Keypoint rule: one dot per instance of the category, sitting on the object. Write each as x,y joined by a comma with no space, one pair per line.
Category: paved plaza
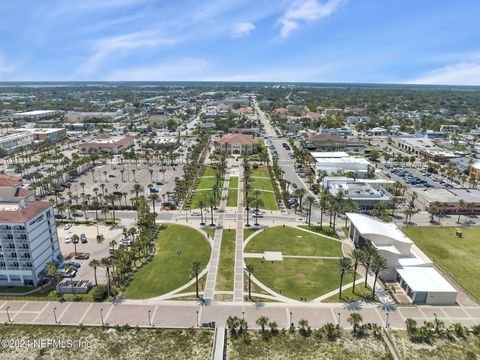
177,314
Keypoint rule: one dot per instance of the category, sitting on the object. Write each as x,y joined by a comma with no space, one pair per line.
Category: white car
67,239
195,213
67,226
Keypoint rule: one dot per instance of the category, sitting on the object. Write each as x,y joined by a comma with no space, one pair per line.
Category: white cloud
118,46
463,73
181,70
242,29
306,11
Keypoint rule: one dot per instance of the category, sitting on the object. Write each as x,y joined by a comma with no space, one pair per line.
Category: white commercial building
406,263
12,142
366,193
29,240
338,162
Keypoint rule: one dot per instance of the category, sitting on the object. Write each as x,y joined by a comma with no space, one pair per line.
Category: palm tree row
369,258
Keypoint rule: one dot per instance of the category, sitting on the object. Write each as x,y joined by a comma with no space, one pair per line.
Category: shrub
100,293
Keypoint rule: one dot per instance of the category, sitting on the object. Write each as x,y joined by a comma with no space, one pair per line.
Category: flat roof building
406,263
110,144
338,162
362,192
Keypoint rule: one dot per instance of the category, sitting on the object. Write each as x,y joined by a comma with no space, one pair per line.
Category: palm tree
154,198
262,321
94,263
232,324
366,259
311,201
344,267
107,263
250,270
355,319
257,203
379,264
299,193
75,239
356,256
461,206
196,266
201,205
408,214
248,202
211,202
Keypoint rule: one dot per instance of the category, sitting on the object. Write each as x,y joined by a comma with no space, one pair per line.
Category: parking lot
108,179
92,247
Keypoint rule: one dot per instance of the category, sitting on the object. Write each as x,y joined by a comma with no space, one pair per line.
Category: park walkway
217,244
238,271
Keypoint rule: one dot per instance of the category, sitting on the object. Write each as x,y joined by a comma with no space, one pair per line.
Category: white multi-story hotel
28,238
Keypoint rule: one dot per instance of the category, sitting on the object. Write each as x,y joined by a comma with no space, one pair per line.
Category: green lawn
459,257
261,172
291,241
269,202
325,230
202,195
170,270
295,278
247,232
232,191
262,184
361,293
207,183
233,183
227,261
208,172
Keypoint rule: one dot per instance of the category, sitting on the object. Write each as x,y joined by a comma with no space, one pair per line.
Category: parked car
67,226
117,193
77,214
66,273
73,263
294,185
195,213
60,216
67,239
128,241
83,238
82,256
154,190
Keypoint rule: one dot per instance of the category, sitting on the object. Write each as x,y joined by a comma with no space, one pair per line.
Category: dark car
83,239
82,256
294,185
117,193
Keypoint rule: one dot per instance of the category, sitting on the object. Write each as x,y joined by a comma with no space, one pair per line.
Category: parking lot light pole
291,319
198,324
387,324
8,315
338,318
55,315
149,318
101,315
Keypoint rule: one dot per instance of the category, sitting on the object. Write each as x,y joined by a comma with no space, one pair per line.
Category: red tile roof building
236,144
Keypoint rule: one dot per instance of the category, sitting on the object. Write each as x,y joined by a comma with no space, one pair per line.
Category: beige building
12,192
236,144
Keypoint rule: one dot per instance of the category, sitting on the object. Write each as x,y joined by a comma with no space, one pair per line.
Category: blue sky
387,41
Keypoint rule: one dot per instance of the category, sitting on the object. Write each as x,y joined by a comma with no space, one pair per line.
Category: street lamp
436,321
55,315
101,315
8,315
149,319
198,324
291,319
243,315
387,324
338,319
